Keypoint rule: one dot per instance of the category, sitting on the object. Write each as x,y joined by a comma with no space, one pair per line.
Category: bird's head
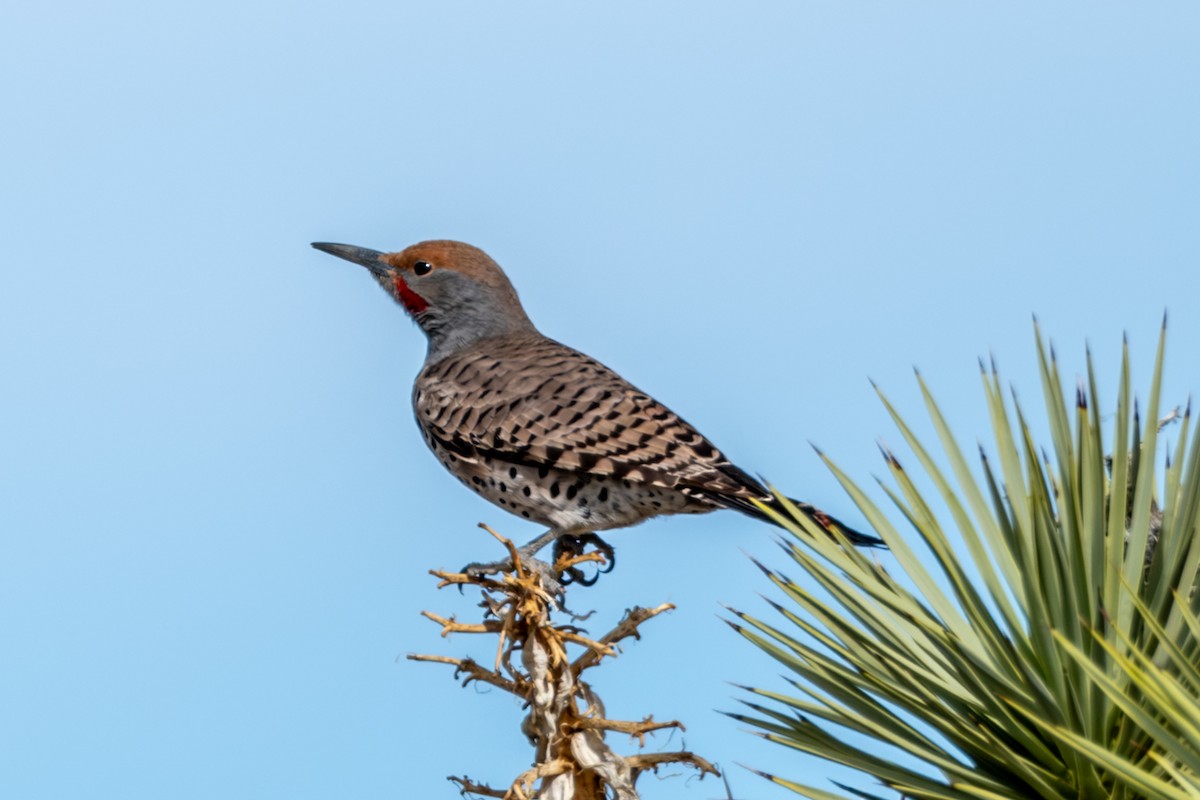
454,291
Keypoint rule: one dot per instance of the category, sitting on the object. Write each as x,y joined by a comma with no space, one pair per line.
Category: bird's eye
422,268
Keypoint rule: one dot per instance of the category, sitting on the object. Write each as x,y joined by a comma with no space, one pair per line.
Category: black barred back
549,416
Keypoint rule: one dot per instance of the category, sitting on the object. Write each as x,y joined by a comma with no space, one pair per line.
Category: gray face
458,310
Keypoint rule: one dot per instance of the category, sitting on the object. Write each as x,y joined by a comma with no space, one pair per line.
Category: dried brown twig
566,722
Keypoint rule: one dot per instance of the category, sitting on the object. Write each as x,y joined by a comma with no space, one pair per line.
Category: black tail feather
826,521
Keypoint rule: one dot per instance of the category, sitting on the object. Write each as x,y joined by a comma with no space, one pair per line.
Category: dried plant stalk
566,722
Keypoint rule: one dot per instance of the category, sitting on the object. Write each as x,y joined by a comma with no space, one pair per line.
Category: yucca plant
1048,648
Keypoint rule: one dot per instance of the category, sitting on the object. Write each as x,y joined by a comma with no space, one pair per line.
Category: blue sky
216,513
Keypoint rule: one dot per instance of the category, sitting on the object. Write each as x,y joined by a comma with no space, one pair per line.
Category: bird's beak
371,259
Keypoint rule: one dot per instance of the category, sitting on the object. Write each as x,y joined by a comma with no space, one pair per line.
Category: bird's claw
571,546
545,572
566,547
481,569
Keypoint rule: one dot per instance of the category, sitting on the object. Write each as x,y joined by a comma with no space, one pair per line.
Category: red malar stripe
412,301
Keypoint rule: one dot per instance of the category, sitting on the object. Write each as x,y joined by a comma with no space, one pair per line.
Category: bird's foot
570,550
481,569
524,555
569,547
548,579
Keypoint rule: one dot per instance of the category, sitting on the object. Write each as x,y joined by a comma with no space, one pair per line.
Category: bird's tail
826,521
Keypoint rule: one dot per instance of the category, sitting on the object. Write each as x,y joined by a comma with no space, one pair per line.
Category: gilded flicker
540,429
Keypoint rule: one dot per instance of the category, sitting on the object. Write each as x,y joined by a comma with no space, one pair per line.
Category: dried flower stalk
566,723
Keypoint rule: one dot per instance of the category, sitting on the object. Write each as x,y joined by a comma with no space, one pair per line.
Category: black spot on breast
502,487
527,491
572,490
603,496
554,489
543,471
512,472
525,514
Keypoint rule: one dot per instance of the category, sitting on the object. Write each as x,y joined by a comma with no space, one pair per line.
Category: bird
538,428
